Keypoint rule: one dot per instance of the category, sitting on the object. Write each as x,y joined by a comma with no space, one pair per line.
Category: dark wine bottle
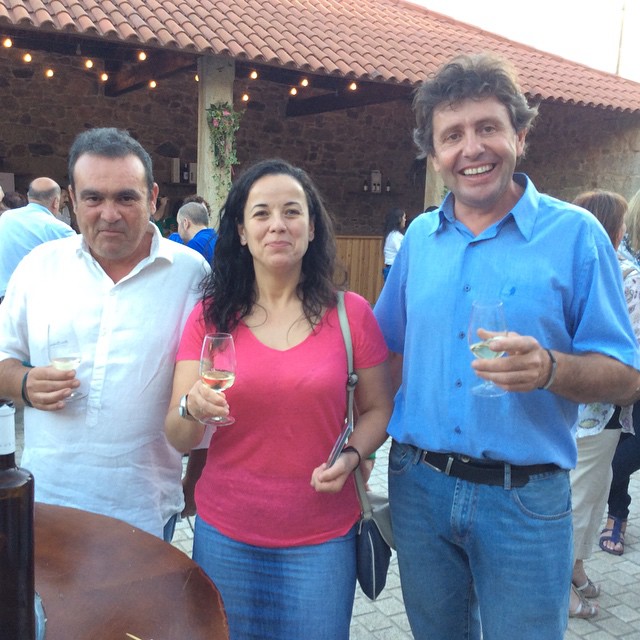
17,614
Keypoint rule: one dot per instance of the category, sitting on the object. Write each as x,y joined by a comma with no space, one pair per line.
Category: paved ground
385,619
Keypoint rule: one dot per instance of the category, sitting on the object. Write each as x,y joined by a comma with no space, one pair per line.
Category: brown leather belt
492,473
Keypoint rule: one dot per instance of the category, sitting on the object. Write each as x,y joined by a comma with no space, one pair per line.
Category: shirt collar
524,212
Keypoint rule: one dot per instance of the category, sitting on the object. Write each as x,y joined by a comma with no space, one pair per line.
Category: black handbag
374,537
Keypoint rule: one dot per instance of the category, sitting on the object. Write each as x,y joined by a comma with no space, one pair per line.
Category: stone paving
385,619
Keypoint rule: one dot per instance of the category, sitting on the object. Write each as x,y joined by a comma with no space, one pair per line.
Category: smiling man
125,293
479,486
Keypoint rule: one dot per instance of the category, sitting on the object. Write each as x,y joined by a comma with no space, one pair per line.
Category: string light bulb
152,84
88,63
245,97
304,82
27,57
142,56
254,75
104,76
293,91
7,43
353,86
197,78
49,73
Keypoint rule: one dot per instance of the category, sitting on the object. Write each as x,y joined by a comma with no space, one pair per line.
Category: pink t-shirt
289,408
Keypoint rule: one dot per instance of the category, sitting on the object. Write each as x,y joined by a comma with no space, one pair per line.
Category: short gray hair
194,211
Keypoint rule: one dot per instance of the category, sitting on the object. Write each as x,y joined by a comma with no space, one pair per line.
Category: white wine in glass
490,317
64,353
218,369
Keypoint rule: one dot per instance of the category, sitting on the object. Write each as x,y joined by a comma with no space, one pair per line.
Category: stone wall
571,148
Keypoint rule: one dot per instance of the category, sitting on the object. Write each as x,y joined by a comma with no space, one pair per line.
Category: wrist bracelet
353,450
23,391
554,369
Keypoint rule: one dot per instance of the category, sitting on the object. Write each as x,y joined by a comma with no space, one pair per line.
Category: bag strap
352,381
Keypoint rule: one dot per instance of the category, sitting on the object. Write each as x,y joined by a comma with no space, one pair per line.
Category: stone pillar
434,186
216,76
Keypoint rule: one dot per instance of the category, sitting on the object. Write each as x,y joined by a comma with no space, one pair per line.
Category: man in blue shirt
25,228
479,486
192,226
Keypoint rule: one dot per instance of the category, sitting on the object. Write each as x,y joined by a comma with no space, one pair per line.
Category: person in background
479,486
26,227
124,292
272,288
393,235
193,230
14,200
599,424
626,459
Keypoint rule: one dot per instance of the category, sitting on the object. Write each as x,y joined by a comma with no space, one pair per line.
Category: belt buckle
446,470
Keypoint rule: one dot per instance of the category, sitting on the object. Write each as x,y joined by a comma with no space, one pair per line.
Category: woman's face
276,225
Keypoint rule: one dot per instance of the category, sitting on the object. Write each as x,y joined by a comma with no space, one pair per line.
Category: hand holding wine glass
218,369
490,317
64,353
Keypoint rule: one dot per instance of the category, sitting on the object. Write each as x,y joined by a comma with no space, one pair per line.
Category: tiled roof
383,40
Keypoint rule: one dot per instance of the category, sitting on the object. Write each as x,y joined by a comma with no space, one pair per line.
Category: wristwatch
183,409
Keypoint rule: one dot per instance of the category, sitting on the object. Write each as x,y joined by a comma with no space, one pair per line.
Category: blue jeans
625,462
468,551
169,528
303,593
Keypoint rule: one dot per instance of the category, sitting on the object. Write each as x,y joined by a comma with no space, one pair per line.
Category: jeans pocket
401,457
545,497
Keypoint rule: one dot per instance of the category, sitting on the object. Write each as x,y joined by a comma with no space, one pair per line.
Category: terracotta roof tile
389,40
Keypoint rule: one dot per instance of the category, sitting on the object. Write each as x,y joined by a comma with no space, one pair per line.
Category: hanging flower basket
223,123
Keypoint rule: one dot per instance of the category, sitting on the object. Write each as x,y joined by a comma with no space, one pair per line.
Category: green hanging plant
223,123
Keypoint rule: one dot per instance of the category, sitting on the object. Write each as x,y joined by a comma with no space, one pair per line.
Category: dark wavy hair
229,292
478,76
393,221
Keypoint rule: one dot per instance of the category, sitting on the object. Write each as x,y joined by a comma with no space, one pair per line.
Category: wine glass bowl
64,353
488,316
218,369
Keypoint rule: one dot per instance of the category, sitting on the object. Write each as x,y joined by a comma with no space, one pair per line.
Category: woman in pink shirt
275,527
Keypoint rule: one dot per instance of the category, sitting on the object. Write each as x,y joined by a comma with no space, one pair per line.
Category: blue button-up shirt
555,270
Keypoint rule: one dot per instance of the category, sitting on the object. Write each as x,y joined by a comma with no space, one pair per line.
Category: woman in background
393,237
599,424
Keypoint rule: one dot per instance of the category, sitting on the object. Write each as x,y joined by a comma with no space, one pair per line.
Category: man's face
475,152
113,207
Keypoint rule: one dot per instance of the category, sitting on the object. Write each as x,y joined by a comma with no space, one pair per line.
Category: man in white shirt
24,228
125,292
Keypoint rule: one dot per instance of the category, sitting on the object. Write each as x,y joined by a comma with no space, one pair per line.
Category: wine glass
490,317
218,369
64,353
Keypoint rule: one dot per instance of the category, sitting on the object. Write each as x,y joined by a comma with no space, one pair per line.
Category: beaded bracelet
353,450
23,391
554,369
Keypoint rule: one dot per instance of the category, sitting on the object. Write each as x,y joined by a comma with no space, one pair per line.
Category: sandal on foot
613,535
585,610
588,589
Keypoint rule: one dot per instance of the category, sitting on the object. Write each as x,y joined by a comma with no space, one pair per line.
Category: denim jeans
302,593
468,551
169,528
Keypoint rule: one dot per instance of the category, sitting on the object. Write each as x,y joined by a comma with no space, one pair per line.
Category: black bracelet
353,450
25,397
552,375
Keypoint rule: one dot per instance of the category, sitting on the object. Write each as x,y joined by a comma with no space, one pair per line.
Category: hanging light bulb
88,64
152,84
293,91
353,86
197,78
304,82
254,75
27,57
245,97
49,73
142,56
104,76
7,43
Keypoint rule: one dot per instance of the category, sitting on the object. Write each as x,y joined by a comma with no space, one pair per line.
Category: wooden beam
161,64
371,93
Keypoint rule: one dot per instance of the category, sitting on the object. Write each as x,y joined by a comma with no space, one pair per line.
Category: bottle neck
7,461
7,432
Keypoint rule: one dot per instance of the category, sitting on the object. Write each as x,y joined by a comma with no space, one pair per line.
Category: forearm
370,432
595,377
12,372
183,433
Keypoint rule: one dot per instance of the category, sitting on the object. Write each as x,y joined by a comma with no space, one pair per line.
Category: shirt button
458,430
467,288
458,383
462,335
